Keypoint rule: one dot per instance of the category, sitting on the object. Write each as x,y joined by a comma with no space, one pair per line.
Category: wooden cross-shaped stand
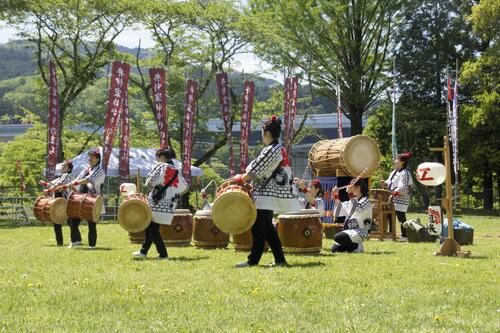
450,247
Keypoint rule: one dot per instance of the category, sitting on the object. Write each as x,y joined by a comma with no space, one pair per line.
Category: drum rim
244,197
63,218
120,213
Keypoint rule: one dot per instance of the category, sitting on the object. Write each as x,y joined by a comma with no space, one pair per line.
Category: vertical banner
187,140
454,128
125,142
287,109
22,184
117,89
394,146
223,90
158,87
339,113
246,122
53,133
293,111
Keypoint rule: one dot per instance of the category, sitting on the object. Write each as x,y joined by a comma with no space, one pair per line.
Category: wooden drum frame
205,232
300,232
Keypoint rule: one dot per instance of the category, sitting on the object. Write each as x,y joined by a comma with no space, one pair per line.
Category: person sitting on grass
313,193
358,213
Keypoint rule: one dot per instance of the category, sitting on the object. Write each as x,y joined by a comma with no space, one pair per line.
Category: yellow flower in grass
255,291
39,285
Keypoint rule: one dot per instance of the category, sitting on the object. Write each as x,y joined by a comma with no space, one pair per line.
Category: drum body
300,232
137,237
205,232
234,210
244,241
331,229
350,156
84,206
180,231
50,210
134,214
384,195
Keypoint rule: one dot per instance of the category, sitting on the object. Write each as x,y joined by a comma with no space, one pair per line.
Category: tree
481,115
329,39
77,35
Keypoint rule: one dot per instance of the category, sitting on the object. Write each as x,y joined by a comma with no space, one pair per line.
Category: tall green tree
345,39
481,115
77,35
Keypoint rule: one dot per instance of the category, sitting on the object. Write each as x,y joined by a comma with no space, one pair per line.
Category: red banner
223,90
189,113
53,133
246,122
125,142
293,110
158,87
117,90
287,109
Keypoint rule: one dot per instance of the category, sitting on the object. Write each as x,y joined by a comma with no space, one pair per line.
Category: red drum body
134,214
300,232
50,210
244,241
180,231
84,206
205,232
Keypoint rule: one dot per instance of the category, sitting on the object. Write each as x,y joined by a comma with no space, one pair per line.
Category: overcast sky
130,38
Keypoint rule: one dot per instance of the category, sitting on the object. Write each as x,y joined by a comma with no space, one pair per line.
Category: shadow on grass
298,265
182,258
378,253
473,257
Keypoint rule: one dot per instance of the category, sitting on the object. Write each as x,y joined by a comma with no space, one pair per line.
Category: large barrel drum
205,232
180,231
47,209
84,206
344,157
134,214
244,241
300,232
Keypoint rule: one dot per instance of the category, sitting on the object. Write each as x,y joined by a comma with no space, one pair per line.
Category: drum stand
450,247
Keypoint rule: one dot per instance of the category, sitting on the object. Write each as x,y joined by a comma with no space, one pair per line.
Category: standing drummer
274,191
88,181
167,185
58,190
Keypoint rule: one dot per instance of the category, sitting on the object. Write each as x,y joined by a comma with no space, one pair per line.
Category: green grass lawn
393,287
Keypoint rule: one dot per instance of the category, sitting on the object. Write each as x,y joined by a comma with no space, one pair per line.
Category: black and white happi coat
400,181
357,211
163,211
64,179
279,194
96,177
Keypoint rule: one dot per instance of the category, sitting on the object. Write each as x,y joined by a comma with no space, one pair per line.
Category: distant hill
17,67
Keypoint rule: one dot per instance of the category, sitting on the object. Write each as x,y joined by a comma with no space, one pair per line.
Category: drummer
313,195
58,191
358,213
167,184
272,180
399,183
89,181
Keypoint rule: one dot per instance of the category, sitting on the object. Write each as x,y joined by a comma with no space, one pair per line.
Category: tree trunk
488,188
498,187
356,117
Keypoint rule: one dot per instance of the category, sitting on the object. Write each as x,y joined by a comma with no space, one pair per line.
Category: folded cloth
457,225
413,224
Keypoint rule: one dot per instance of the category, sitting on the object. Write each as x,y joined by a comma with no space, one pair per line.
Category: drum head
360,152
234,212
96,211
203,214
58,213
134,215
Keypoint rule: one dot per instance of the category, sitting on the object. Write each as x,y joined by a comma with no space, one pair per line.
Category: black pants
153,235
74,225
344,243
59,234
263,230
401,219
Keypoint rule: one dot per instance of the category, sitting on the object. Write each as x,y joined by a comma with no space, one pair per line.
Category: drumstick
205,188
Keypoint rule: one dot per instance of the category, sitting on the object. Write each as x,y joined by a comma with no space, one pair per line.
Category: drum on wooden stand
134,214
137,237
380,194
50,210
300,232
205,232
234,210
344,157
180,231
84,206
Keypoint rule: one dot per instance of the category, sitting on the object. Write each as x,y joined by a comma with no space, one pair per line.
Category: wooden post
138,181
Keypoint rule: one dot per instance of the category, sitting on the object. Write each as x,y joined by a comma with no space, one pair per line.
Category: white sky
248,62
